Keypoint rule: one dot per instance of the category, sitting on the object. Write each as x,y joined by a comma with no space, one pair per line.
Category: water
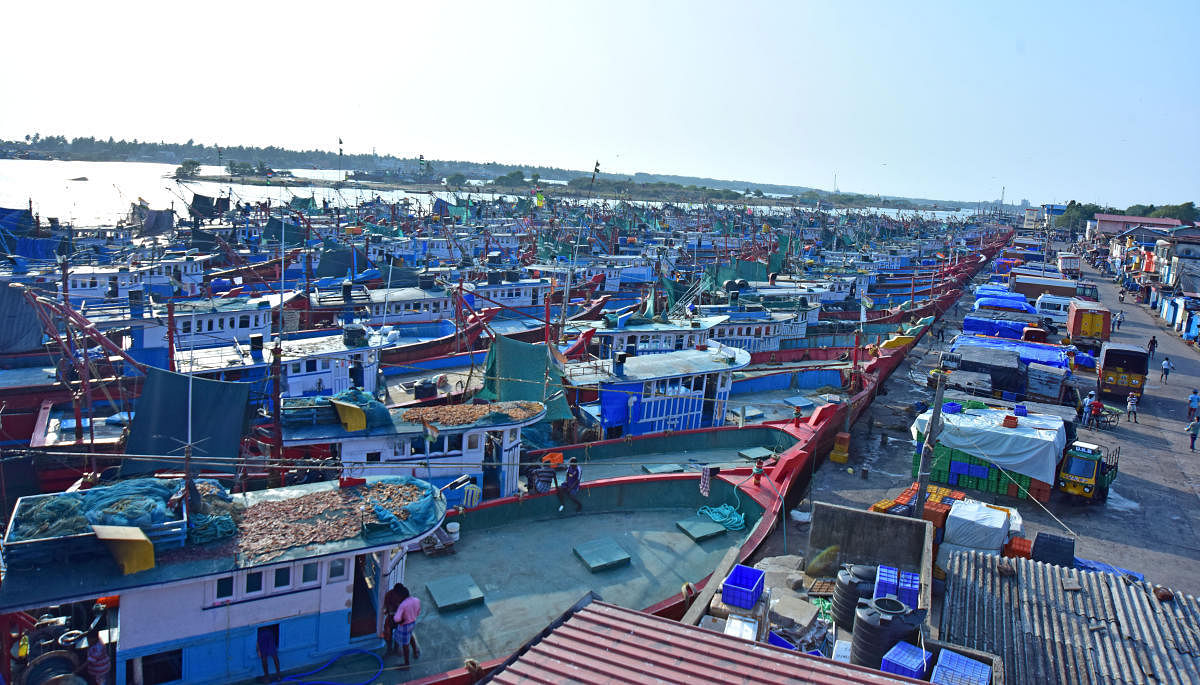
113,186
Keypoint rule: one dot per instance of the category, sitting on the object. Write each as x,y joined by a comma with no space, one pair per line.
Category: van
1053,307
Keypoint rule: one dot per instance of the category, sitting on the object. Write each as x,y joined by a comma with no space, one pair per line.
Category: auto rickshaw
1087,471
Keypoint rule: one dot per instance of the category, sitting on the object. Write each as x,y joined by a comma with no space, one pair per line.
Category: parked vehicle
1121,369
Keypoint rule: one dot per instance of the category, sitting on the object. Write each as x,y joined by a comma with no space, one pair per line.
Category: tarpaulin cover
37,248
16,220
1006,303
518,371
974,524
341,261
615,409
1032,449
293,235
218,413
204,241
1050,355
996,327
423,514
158,221
997,293
20,328
203,207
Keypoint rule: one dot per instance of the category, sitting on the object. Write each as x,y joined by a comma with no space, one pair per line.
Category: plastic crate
952,479
1020,410
908,660
774,638
951,407
959,468
887,581
910,589
944,676
977,471
743,586
974,672
1053,549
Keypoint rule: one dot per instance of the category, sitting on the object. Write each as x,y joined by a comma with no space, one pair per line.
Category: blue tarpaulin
1005,303
614,403
997,327
1050,355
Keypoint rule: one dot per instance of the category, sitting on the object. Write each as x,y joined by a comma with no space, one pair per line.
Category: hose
297,678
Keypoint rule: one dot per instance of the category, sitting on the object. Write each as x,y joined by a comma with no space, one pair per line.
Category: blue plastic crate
944,676
774,638
1008,396
974,672
906,659
977,471
952,480
887,581
1020,410
910,589
959,468
743,586
951,407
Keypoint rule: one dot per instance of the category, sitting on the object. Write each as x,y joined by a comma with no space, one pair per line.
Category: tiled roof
1155,221
605,645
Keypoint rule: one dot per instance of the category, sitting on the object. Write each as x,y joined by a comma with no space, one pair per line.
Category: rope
205,528
725,515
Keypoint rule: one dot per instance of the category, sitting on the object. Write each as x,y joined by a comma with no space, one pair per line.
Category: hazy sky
1055,100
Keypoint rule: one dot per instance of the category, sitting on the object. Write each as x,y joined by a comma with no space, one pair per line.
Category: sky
1051,102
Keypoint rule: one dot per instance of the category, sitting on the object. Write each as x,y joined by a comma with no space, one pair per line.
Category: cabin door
365,602
710,399
493,449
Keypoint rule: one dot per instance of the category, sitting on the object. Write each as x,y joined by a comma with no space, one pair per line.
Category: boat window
310,365
221,324
324,364
186,327
210,324
454,442
416,445
512,434
296,367
254,582
374,456
224,587
163,667
337,569
647,388
473,441
244,321
283,577
308,573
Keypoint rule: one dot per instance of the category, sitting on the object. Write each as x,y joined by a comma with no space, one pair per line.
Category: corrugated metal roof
1110,630
602,643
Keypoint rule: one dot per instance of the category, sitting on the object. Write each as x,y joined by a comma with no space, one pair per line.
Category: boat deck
529,575
399,386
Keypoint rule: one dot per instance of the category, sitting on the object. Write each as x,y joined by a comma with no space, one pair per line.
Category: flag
431,431
941,255
541,200
868,302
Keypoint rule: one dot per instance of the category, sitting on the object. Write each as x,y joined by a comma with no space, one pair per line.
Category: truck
1069,264
1033,286
1089,325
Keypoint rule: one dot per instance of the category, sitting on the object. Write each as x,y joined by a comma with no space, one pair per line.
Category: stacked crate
959,469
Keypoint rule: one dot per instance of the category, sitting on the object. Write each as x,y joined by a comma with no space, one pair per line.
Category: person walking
1167,367
1120,318
406,619
1152,345
1193,428
1193,404
1131,403
570,487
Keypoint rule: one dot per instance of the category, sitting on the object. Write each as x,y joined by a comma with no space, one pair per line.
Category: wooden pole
931,434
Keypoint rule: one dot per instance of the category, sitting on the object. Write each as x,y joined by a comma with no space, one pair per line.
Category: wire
299,677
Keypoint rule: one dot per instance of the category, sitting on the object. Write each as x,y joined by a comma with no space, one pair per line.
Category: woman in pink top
406,619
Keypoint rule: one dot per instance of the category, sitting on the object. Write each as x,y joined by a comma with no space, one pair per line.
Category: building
1112,224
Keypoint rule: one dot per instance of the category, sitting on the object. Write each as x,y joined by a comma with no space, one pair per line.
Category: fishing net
141,502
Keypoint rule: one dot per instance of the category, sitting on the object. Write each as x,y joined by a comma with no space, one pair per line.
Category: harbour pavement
1151,521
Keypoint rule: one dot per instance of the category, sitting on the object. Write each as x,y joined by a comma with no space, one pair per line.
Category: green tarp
519,371
160,424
